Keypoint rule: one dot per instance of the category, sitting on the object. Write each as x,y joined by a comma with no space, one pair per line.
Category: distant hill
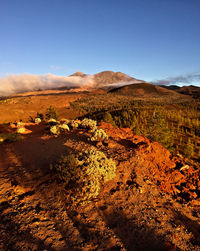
191,90
143,90
171,87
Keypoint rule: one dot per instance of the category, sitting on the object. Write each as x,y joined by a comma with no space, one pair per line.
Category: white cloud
29,82
186,79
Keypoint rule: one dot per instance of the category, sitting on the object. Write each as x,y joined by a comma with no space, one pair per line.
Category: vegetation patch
51,113
99,135
84,173
21,130
38,120
175,123
9,137
89,124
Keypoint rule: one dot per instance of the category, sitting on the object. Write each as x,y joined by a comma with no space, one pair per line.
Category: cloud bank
27,82
180,80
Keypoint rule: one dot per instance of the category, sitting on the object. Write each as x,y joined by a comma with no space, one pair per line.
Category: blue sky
147,39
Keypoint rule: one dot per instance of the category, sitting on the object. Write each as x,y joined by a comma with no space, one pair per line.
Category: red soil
151,204
168,172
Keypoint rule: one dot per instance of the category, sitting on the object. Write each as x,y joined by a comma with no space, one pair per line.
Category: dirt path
131,213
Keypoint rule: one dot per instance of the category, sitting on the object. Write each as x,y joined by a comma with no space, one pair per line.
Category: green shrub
21,130
89,124
74,123
99,135
64,127
109,119
40,115
83,174
51,113
53,122
9,137
38,120
58,128
20,123
65,121
55,130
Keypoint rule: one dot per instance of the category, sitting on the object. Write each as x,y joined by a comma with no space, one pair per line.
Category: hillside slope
144,90
151,204
191,90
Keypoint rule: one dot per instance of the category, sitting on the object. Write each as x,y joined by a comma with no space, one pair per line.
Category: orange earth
153,203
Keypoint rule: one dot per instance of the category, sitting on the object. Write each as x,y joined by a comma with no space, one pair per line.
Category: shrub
89,124
51,113
20,123
99,135
83,174
40,115
55,130
38,120
65,121
9,137
74,123
53,122
21,130
109,119
64,127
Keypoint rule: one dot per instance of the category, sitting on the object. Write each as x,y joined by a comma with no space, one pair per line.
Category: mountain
143,90
107,79
78,74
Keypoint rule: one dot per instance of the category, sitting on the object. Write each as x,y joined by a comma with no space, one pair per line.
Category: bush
40,115
20,123
83,173
21,130
99,135
9,137
51,113
64,127
109,119
53,122
55,130
65,121
38,120
74,123
89,124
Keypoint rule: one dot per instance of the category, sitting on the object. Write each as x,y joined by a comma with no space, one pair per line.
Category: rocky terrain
152,203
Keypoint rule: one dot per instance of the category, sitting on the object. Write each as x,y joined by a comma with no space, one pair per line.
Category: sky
147,39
